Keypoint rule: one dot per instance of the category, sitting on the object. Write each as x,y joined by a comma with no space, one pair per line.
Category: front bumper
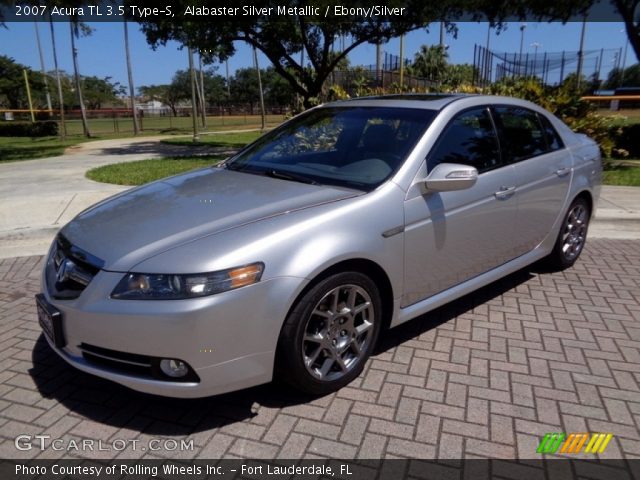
228,339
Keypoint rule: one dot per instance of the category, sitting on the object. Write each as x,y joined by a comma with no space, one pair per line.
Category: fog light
173,368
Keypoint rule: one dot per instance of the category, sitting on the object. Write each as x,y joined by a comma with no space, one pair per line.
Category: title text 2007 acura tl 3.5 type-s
292,257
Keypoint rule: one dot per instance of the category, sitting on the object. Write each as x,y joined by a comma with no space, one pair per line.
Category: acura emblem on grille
65,270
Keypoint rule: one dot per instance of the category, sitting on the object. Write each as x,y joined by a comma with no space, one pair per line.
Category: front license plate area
50,319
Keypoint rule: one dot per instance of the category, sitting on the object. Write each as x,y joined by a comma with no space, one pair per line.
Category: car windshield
353,147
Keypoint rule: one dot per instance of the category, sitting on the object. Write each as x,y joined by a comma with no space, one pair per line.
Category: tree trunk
132,96
203,102
76,75
627,11
63,126
262,113
194,112
44,71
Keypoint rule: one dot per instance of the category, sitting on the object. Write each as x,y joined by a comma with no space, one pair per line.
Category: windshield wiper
290,176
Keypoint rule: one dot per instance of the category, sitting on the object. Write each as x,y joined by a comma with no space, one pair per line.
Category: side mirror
447,177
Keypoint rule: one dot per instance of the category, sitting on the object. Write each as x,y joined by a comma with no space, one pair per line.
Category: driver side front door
453,236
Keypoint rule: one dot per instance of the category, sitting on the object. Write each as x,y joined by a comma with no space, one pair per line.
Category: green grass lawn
231,140
154,125
623,175
622,117
145,171
25,148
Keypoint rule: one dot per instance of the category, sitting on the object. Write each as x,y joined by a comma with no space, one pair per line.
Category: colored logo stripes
574,443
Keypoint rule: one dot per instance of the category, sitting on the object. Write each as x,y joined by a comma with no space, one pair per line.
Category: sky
101,53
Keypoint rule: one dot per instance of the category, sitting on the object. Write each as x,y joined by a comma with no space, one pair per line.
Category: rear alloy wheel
330,333
572,236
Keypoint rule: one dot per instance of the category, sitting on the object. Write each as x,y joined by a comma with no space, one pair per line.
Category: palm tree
431,62
262,113
63,127
203,102
44,71
130,75
75,32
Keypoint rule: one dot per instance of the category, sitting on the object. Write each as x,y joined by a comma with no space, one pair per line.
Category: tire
323,345
572,235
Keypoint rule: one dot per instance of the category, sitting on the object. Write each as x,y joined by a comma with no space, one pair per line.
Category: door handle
505,192
561,172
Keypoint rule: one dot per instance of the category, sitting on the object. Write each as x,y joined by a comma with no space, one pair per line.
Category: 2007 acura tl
293,256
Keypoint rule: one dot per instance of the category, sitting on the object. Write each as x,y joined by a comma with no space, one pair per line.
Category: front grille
70,269
142,366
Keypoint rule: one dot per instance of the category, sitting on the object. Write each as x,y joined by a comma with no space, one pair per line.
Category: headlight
142,286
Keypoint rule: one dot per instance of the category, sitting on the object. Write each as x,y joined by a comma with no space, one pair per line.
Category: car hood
129,228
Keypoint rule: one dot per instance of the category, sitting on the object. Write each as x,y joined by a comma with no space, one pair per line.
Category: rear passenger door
542,167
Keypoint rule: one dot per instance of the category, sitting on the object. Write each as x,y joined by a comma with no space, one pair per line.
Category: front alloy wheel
330,333
337,332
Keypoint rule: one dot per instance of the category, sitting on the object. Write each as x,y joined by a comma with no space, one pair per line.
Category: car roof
429,101
436,101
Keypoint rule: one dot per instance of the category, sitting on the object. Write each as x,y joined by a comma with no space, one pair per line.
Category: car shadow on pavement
109,403
422,324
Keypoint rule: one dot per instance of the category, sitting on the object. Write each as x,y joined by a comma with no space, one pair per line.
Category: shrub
27,129
626,140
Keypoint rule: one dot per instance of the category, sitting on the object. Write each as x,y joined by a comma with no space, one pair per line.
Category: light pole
522,27
488,61
535,46
581,52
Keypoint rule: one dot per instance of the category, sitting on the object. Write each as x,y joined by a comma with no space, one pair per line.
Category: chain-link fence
551,67
119,121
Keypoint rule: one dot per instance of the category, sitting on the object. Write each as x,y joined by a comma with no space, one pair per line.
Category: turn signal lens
243,276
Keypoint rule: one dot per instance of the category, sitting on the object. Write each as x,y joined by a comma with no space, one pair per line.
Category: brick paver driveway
486,376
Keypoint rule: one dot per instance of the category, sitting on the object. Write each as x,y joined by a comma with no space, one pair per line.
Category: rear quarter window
522,133
554,142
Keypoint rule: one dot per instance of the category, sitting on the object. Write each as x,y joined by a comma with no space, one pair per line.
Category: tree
281,38
628,10
583,87
179,90
13,93
430,62
215,88
244,87
277,91
631,77
165,94
77,29
458,75
301,32
98,91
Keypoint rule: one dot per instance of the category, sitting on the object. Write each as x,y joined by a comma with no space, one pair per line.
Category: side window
554,142
522,133
469,139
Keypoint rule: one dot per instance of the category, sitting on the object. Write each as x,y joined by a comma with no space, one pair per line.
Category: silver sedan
291,258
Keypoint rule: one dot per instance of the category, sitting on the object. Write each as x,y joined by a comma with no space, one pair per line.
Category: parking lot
486,376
